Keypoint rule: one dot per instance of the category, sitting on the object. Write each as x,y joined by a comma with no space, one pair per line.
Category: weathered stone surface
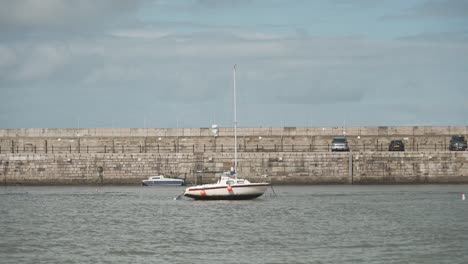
228,132
288,155
282,168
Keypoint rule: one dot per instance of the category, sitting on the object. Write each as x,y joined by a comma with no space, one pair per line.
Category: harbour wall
281,168
286,155
194,140
228,131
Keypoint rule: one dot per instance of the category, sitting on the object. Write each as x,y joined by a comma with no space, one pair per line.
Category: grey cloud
450,37
31,62
53,15
222,3
441,9
293,71
7,58
354,4
310,85
128,73
198,5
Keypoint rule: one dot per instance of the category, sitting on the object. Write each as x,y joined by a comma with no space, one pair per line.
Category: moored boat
161,180
229,187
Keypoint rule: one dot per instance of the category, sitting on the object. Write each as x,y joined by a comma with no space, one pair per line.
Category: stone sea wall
286,155
281,168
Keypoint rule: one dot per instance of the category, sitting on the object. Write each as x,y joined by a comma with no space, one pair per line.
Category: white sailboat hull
223,192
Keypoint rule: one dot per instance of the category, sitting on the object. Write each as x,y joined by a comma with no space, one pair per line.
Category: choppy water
304,224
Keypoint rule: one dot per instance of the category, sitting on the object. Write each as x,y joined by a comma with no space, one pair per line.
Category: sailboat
229,187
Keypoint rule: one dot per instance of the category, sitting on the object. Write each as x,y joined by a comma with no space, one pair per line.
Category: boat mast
235,121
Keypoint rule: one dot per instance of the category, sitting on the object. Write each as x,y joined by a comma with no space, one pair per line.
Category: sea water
302,224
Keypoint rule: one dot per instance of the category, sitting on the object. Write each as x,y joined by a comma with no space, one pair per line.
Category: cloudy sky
168,63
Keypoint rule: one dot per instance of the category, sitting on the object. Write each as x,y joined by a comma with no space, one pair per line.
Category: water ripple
314,224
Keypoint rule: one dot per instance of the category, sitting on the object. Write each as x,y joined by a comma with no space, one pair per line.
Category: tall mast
235,121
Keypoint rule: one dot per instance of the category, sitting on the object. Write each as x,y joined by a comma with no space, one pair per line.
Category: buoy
203,193
229,188
463,197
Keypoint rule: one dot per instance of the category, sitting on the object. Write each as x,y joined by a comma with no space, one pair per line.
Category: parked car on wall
396,145
457,143
339,144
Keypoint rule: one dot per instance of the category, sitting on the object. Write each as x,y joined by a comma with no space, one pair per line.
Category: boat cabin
232,181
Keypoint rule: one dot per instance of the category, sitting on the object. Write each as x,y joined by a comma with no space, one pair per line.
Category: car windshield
397,142
458,138
339,140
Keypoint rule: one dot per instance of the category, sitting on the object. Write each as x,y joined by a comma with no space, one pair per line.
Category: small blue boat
162,181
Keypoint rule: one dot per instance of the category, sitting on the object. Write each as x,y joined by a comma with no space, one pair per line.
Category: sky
169,63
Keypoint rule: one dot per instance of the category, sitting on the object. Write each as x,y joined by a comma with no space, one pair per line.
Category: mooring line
276,196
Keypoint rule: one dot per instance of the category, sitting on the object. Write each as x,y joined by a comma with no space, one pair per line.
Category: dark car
457,143
396,145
